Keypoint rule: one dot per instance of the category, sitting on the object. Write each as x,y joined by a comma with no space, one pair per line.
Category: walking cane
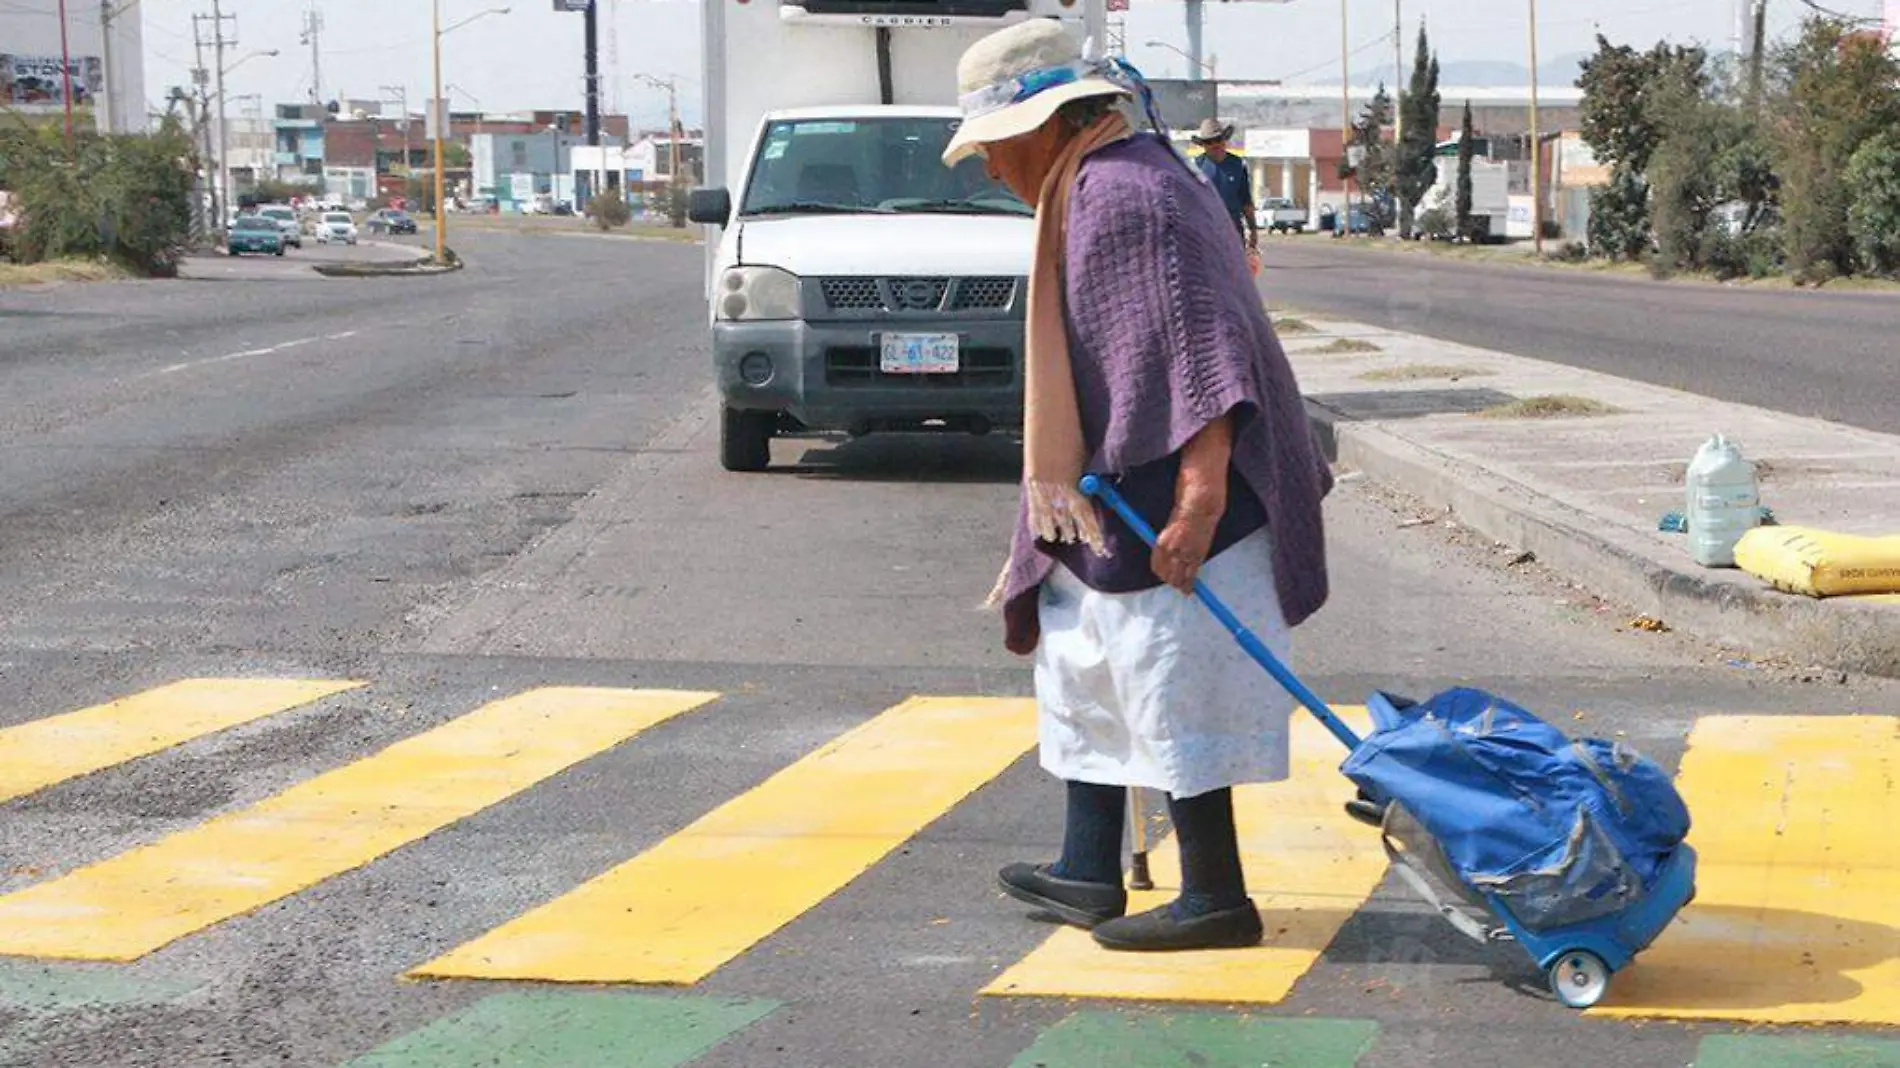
1138,875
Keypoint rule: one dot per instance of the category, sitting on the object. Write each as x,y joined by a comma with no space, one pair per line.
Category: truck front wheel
745,440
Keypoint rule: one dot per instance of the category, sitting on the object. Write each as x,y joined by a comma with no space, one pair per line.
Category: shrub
127,198
1437,224
609,210
1873,214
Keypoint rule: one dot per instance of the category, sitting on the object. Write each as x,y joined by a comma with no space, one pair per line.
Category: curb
383,270
1725,606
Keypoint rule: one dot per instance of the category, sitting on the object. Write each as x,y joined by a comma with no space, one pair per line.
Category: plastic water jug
1724,502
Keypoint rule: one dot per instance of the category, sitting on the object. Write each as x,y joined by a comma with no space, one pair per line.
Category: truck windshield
884,166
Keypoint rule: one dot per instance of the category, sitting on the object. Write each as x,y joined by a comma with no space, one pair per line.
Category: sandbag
1820,563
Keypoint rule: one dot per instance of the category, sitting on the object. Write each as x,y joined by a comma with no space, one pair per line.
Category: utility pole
201,80
591,47
440,119
1537,148
108,99
1345,114
219,44
313,36
1757,54
675,132
1398,106
66,72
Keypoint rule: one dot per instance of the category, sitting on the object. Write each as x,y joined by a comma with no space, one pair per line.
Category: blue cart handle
1099,488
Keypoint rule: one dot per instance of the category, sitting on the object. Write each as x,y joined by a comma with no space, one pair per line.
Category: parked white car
336,227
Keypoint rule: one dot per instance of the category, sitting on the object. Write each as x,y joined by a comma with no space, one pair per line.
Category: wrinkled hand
1183,547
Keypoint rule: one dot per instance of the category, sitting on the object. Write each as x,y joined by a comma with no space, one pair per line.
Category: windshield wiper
810,207
965,207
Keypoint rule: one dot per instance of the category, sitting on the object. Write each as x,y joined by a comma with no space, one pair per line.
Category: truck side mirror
709,206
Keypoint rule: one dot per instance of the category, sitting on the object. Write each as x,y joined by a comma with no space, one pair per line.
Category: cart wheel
1579,979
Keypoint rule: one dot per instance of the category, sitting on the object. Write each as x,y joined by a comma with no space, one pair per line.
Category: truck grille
917,295
848,366
982,294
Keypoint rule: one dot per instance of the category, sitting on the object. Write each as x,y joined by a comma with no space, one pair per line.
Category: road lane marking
1308,864
569,1028
268,350
1113,1040
126,907
1797,879
36,755
679,911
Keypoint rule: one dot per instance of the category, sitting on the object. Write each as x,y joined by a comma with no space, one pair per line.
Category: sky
531,58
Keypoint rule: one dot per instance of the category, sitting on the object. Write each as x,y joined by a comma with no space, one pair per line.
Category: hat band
1012,91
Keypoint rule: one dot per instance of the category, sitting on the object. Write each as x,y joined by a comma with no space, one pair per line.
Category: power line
1381,41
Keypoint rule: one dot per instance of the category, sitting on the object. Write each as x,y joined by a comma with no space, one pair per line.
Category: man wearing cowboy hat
1229,176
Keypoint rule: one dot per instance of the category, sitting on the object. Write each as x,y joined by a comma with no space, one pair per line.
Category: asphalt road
1830,355
461,488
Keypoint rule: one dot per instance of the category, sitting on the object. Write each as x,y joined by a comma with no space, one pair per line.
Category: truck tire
745,440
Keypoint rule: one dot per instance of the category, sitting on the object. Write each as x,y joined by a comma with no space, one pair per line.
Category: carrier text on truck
856,284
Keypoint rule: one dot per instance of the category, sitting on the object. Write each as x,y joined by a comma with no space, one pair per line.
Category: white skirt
1148,689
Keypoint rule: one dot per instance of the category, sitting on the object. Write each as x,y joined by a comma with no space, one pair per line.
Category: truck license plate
920,354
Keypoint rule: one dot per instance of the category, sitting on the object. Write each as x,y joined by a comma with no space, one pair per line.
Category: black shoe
1157,930
1082,904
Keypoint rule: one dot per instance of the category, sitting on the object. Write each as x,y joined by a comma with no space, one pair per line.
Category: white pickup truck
855,284
1280,214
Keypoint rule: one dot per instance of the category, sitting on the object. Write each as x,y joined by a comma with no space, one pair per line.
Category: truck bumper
827,378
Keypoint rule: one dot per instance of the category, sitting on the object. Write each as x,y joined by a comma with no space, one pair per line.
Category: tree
1873,217
1418,150
1834,91
1467,151
1630,98
1626,95
1375,169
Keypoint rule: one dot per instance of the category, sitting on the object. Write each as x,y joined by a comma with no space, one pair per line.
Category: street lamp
224,139
1208,66
435,113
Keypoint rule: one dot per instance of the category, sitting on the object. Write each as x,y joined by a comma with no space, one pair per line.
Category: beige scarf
1054,450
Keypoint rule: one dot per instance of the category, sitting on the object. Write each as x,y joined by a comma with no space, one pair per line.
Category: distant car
391,221
255,233
336,227
1278,214
286,219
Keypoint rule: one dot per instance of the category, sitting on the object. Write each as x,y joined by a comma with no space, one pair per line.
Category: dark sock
1092,834
1211,878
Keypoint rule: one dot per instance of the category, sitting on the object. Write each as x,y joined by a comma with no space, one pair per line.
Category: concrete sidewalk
1586,493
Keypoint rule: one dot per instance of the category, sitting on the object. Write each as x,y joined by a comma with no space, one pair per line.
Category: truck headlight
758,293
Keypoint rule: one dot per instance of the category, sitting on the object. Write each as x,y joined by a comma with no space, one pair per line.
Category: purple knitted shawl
1167,333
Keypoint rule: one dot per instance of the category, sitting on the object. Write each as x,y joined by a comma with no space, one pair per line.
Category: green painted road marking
1113,1040
44,988
563,1028
1798,1051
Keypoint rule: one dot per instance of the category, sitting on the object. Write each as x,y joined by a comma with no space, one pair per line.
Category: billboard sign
38,81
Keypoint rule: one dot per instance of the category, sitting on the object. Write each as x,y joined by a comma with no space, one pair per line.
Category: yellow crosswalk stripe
39,754
1797,883
708,893
1309,867
126,907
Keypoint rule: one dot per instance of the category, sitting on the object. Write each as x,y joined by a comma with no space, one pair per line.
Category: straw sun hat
1012,81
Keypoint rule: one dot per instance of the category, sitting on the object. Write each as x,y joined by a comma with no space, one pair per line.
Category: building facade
34,77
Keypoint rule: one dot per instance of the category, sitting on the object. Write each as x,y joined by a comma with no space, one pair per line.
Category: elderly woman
1150,360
